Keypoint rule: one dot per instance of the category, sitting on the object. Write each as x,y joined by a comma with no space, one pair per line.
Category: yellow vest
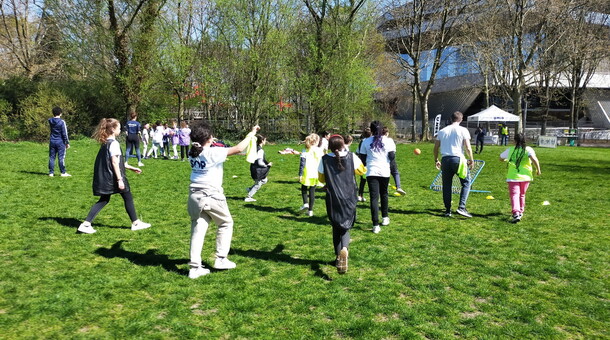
524,174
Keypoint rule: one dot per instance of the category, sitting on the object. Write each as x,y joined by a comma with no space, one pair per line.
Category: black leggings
340,239
184,150
305,190
378,188
104,199
361,187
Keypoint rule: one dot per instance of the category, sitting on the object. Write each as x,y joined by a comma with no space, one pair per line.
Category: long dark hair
517,155
377,132
336,144
200,134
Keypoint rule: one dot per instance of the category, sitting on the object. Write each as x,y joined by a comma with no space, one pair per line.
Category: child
184,139
259,169
337,170
166,141
145,138
324,141
520,159
308,171
58,143
133,138
207,201
394,168
173,132
109,176
361,153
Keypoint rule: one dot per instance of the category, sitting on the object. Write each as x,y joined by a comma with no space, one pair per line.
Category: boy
58,143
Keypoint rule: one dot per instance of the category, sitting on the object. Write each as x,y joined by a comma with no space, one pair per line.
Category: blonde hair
311,140
183,124
105,129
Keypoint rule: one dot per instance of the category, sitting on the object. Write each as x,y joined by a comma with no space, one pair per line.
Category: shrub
36,110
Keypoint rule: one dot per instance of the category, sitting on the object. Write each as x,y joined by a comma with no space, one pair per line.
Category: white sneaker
86,228
140,164
385,221
310,213
65,174
376,229
139,225
51,175
359,198
304,206
198,272
249,199
224,263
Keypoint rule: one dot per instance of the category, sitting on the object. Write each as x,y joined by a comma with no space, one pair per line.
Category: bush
5,110
36,110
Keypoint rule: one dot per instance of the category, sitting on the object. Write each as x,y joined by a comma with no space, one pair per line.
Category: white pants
205,206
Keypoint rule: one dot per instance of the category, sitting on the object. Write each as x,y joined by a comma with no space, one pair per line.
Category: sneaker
516,217
198,272
463,212
86,228
310,213
363,199
304,206
224,263
376,229
447,213
385,221
400,191
140,164
342,261
359,198
65,174
139,225
249,199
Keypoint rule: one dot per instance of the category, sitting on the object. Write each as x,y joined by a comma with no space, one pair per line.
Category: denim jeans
449,167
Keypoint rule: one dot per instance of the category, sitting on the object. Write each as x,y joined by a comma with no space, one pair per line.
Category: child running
259,169
207,201
109,176
520,173
308,171
337,170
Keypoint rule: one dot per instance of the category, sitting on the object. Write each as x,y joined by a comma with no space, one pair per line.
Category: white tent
493,114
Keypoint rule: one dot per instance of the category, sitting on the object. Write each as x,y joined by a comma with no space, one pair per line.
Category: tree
419,33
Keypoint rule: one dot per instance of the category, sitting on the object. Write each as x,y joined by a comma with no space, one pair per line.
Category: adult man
451,140
58,143
503,134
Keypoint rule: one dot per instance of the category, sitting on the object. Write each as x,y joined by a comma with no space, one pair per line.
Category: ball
417,151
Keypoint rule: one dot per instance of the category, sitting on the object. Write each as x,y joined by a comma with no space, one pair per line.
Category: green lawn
424,276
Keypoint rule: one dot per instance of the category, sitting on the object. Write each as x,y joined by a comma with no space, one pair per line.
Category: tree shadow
71,222
276,255
150,258
34,173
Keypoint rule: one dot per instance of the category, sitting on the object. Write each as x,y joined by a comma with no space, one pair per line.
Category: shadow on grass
276,255
302,217
71,222
150,258
271,209
34,173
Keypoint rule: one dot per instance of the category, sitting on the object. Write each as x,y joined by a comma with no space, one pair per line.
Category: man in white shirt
451,141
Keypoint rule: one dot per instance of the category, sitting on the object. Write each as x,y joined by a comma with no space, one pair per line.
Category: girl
166,141
184,139
324,141
109,176
259,169
173,132
157,140
145,138
361,153
520,159
380,151
337,170
308,171
207,201
133,138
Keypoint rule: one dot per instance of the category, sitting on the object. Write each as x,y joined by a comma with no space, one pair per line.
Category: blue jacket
59,131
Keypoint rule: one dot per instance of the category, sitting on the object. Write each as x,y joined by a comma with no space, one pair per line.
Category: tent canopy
493,114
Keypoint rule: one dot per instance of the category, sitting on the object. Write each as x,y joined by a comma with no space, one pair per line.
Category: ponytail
519,151
200,135
336,144
377,132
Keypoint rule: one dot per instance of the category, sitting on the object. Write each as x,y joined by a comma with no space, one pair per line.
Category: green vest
524,174
504,130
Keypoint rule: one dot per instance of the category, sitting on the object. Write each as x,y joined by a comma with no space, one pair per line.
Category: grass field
424,276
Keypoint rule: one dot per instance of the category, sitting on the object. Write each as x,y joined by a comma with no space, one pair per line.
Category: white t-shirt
207,168
357,162
158,134
452,140
377,162
324,145
114,148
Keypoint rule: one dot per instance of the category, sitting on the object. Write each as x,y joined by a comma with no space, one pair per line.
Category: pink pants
516,192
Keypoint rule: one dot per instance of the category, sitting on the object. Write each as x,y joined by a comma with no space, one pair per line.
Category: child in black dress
259,169
109,176
337,170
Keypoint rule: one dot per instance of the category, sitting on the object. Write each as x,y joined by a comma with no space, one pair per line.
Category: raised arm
244,143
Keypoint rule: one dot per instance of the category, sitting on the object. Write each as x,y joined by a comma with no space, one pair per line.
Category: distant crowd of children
326,163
